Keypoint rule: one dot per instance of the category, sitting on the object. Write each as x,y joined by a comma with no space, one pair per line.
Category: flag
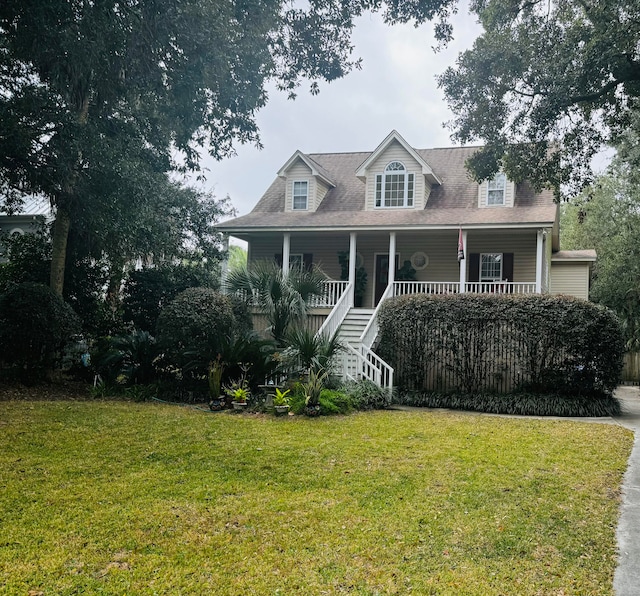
460,246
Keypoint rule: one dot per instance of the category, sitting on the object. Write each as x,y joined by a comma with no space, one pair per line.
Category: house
34,212
421,207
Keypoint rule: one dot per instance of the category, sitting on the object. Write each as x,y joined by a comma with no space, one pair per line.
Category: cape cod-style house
355,213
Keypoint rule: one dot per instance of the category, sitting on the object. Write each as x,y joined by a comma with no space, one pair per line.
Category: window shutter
474,267
307,259
507,266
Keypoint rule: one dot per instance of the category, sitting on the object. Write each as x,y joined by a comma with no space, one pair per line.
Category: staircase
353,326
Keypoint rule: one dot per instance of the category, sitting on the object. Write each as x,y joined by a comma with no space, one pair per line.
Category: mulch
59,389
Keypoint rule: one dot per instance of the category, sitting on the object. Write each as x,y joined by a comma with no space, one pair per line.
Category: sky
395,89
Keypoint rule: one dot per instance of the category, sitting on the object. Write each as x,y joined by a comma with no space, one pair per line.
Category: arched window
394,188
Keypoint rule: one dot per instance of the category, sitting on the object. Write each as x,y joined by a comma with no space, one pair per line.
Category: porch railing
501,287
333,290
401,288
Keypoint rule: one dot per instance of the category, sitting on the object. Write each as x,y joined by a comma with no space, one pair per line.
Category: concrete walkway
626,581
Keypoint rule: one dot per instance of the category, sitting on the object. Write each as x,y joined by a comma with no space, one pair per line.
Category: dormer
306,183
396,176
499,192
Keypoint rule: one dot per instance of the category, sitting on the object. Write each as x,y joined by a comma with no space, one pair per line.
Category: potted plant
239,393
406,272
312,390
281,401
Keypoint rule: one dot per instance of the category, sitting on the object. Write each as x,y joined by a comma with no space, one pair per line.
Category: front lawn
122,498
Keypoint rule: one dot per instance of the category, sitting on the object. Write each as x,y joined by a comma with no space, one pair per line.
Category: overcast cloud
396,89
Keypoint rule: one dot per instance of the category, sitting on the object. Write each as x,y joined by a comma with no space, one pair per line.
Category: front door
382,275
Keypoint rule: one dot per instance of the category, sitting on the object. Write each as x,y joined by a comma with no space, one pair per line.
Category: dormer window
300,195
395,187
497,190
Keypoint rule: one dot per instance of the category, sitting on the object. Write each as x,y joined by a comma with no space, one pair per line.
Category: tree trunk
59,250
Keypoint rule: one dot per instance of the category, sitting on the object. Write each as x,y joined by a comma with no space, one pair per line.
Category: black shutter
474,267
507,266
307,259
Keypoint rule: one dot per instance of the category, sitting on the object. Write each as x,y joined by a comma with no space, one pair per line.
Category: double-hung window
496,190
490,267
300,195
394,188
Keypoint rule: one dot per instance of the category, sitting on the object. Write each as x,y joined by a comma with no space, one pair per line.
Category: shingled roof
452,203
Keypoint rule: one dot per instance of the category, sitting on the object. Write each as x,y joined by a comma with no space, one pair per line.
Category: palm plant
283,298
316,352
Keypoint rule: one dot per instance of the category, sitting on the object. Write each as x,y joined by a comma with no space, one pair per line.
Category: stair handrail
371,330
384,372
338,313
368,365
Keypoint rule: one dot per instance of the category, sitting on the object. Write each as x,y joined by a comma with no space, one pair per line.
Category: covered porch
498,261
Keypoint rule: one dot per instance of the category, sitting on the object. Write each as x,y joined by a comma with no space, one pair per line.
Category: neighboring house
34,212
419,205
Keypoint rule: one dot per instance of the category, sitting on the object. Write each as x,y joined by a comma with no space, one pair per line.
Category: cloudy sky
396,89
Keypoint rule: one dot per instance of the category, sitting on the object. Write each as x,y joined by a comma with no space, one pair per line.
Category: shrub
147,291
192,330
35,324
366,395
480,344
128,356
520,404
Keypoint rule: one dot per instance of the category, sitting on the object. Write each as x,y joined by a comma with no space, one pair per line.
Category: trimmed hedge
479,344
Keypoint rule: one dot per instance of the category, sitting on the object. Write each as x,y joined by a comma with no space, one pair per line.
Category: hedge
479,344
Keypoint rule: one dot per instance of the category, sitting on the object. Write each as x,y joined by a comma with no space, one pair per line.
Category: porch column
286,250
224,266
463,264
352,263
539,253
392,258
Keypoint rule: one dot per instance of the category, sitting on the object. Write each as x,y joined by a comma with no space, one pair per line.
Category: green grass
122,498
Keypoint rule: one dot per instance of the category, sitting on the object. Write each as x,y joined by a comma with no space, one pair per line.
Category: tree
607,217
545,86
99,95
283,298
237,257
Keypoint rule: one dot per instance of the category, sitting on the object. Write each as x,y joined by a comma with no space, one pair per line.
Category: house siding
440,247
571,279
395,152
522,245
483,192
299,172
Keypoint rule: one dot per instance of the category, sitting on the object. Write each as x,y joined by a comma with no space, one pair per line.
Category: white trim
407,177
463,264
394,135
286,252
491,279
16,231
539,253
282,172
352,263
293,195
